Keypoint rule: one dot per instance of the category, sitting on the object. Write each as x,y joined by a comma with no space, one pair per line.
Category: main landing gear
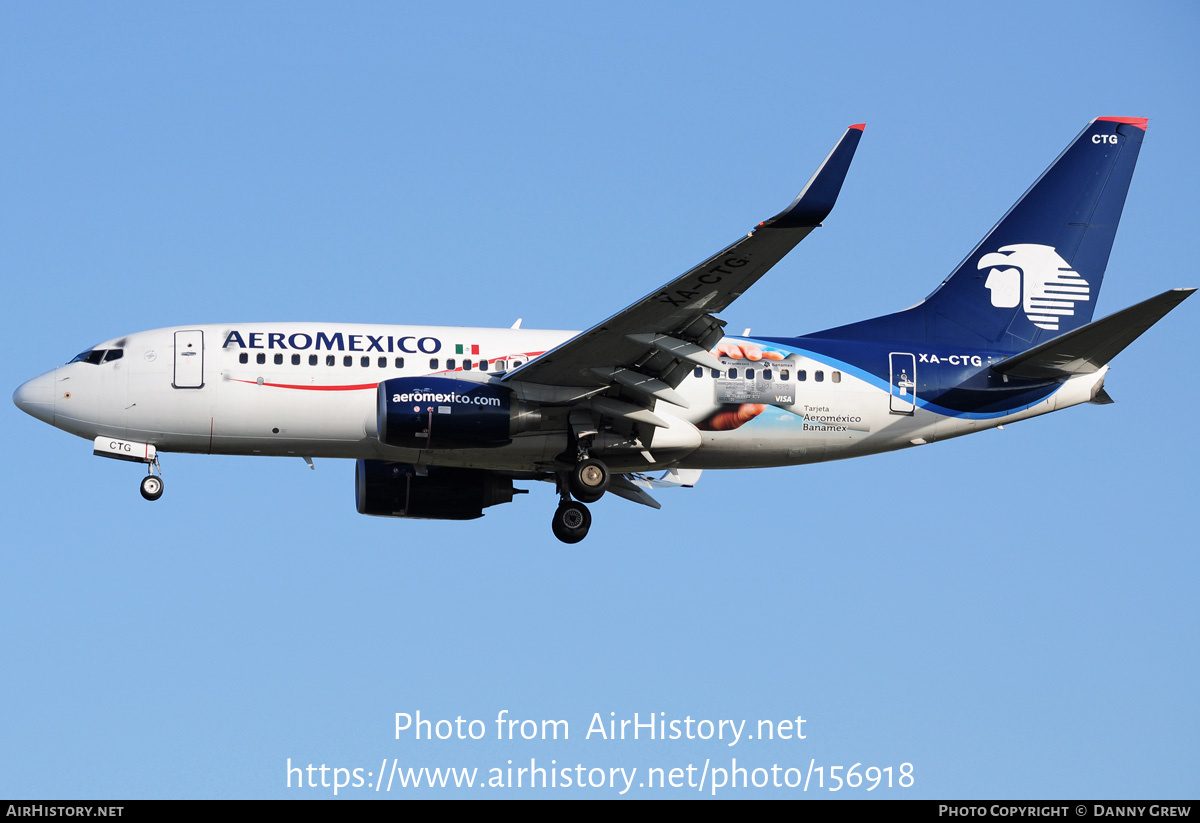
571,521
587,482
152,484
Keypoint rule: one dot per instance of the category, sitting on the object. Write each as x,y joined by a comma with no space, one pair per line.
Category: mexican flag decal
459,348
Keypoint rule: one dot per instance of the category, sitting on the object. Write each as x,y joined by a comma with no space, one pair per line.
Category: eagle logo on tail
1036,278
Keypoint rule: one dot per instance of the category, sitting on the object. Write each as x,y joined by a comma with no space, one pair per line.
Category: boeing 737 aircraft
443,421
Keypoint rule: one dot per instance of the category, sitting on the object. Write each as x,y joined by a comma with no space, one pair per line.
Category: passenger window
699,372
766,374
501,366
801,375
364,361
312,360
733,373
383,362
784,374
482,365
516,363
749,374
278,359
243,358
450,363
466,365
716,373
399,362
330,360
820,376
433,362
260,359
837,377
295,360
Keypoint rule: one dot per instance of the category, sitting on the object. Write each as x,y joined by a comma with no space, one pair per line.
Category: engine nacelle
396,490
445,413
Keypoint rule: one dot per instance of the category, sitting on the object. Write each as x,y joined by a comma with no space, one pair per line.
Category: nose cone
36,397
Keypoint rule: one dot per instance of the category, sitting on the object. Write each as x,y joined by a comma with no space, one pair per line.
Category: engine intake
396,490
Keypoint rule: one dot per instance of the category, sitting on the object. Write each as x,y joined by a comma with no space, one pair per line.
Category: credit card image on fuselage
770,382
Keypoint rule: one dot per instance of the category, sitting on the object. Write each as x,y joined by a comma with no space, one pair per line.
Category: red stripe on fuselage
358,387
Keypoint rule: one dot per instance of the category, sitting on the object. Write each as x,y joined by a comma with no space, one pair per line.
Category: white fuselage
309,390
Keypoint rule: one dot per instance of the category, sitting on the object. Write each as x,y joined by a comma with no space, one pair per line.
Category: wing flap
678,349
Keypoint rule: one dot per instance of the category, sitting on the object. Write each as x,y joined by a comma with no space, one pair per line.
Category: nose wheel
152,487
152,484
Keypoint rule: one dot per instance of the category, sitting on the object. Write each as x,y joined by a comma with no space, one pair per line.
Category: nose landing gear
152,484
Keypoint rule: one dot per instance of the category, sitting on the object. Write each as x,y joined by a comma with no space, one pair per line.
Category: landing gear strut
586,482
152,484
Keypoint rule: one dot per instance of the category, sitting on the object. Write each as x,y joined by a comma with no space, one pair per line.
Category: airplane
443,421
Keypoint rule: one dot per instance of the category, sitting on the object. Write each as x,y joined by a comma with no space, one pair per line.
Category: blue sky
1013,613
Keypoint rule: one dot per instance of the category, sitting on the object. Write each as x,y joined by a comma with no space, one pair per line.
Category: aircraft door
189,360
904,382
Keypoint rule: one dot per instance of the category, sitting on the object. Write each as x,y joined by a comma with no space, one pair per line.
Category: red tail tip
1140,122
859,126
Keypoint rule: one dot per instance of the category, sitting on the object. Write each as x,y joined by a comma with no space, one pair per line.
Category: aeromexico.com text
338,341
444,397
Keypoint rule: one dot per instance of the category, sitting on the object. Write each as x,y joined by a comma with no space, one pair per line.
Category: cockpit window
93,356
97,356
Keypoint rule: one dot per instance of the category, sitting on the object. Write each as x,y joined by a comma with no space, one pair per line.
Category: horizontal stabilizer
1089,348
677,477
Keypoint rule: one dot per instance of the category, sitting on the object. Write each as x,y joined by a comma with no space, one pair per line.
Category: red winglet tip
859,126
1140,122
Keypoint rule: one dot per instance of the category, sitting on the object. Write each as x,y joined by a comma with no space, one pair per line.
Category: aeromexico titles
444,422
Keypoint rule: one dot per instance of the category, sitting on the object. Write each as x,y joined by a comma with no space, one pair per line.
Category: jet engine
396,490
446,413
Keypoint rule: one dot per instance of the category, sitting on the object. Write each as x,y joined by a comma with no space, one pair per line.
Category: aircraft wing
645,350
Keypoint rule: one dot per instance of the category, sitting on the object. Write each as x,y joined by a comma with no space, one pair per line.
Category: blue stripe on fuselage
950,383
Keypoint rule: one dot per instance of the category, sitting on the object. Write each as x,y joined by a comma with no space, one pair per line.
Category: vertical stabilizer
1038,272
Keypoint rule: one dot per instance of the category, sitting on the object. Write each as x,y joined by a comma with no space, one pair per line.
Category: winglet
816,199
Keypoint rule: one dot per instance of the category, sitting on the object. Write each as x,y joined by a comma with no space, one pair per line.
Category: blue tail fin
1037,273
